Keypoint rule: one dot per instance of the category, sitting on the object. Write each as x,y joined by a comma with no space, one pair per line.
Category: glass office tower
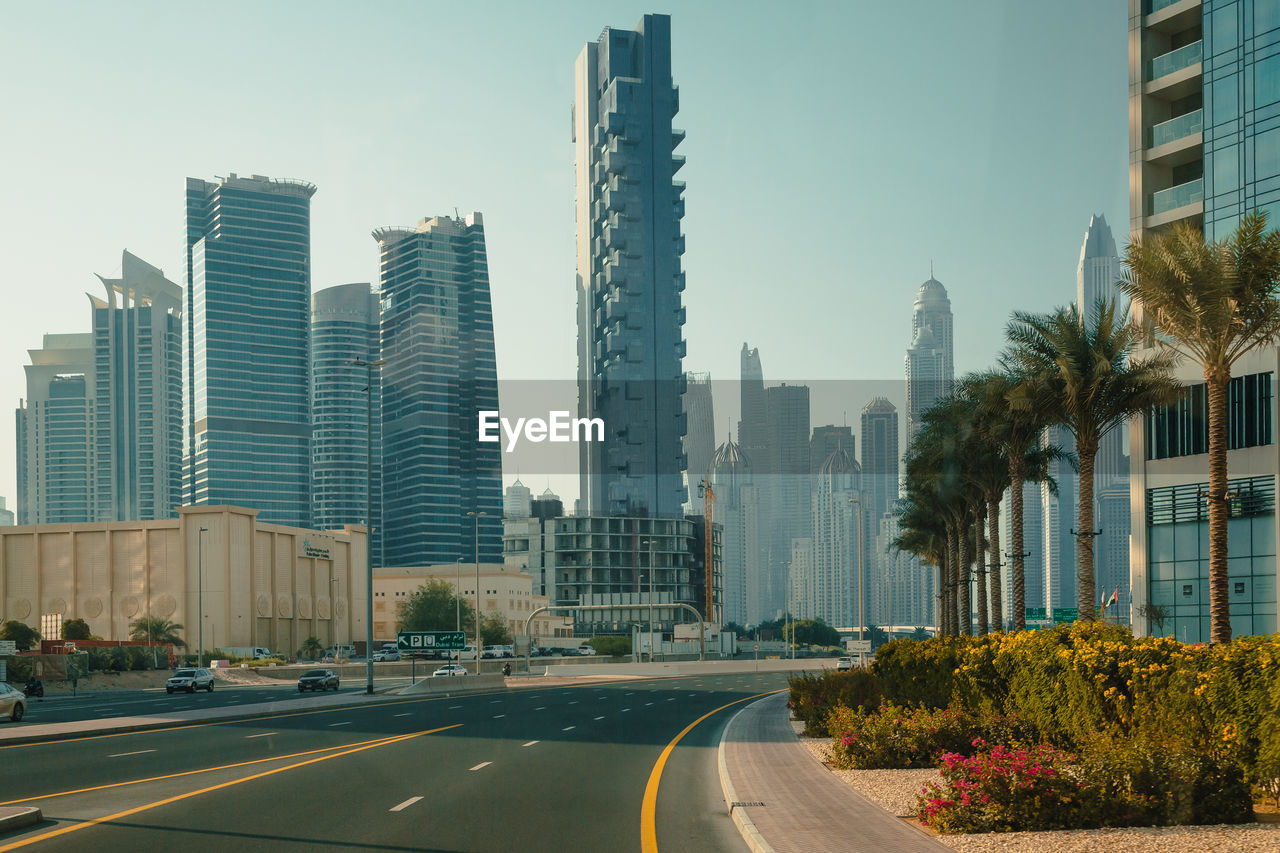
248,433
440,372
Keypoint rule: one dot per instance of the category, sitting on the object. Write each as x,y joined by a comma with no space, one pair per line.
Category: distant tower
56,450
753,425
700,439
517,502
738,509
785,481
833,562
879,457
629,277
827,440
930,365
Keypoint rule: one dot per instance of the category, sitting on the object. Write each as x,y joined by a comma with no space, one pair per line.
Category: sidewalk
783,800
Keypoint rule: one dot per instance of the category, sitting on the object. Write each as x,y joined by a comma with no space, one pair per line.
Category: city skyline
730,298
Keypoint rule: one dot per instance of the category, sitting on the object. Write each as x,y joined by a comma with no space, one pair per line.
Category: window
1266,81
1182,428
1266,154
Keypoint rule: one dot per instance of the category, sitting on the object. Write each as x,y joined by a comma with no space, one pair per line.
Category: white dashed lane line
264,734
138,752
599,718
402,715
568,728
405,804
456,707
482,764
647,704
346,723
498,716
530,743
541,708
624,710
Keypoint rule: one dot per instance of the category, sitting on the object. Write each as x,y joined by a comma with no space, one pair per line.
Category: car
12,702
386,654
491,652
586,650
190,680
844,665
449,669
317,679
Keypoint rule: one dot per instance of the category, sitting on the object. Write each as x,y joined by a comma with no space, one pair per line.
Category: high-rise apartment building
137,391
248,364
1204,97
56,450
832,586
440,373
700,437
517,500
346,419
753,425
784,478
930,357
738,508
629,278
879,456
827,440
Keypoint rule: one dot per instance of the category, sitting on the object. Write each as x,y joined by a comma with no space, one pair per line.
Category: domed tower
929,363
933,309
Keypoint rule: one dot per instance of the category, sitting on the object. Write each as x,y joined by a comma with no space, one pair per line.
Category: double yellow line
75,827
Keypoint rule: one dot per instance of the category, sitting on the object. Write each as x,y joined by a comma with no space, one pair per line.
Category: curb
19,817
746,828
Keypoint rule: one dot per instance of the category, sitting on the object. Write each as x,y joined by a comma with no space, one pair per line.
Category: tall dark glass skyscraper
440,372
344,327
629,278
248,363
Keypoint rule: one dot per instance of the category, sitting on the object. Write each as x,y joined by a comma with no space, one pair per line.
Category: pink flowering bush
1003,789
893,737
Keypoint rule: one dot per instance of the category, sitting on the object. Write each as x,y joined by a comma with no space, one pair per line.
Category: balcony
1177,128
1176,60
1179,196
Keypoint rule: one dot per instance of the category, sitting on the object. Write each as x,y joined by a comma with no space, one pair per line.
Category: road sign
858,646
1035,614
422,641
8,647
1065,615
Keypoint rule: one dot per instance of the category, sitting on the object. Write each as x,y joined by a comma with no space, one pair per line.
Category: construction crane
708,496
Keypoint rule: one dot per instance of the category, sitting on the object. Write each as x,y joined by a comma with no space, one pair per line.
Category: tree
311,649
607,644
814,632
153,629
494,630
1156,614
76,629
877,635
919,634
1213,302
434,607
735,628
1081,374
22,634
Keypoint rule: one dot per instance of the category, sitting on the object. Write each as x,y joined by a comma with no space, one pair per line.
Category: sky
835,151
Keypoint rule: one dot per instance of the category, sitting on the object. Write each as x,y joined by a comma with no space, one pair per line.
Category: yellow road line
193,772
649,806
55,833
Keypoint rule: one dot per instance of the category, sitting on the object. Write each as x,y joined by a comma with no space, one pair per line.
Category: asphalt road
544,769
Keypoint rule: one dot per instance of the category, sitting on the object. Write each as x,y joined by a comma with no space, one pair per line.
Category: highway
540,769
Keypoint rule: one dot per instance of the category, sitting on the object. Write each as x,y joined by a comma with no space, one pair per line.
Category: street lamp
476,516
861,620
200,596
368,536
457,596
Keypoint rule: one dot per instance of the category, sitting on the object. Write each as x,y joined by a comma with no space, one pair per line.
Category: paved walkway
784,801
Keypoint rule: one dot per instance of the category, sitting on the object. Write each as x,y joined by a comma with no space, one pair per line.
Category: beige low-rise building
503,589
260,584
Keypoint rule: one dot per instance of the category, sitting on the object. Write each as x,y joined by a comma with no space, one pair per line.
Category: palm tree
312,648
1081,374
154,629
1213,302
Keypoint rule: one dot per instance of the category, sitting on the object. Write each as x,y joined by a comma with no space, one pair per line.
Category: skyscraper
248,370
629,279
929,362
827,440
344,328
832,564
738,509
700,439
784,479
137,391
1059,512
1204,93
440,372
879,456
753,425
56,451
517,501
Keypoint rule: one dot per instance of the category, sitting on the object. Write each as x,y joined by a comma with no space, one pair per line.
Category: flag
1115,596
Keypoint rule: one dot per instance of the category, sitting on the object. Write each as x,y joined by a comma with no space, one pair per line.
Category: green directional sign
1035,614
1065,615
424,641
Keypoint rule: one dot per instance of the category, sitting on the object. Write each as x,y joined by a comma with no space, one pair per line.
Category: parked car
844,665
586,650
491,652
12,702
386,654
190,680
449,669
317,679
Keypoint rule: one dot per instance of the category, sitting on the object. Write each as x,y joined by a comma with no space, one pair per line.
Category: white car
386,654
844,665
448,670
190,680
12,702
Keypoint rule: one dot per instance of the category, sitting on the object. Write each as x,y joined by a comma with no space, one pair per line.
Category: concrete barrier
454,684
694,667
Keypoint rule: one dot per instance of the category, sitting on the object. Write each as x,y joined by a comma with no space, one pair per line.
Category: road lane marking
402,715
541,708
530,743
264,734
649,806
624,710
494,701
344,723
55,833
672,699
647,704
482,764
405,804
498,716
599,718
574,702
568,728
135,752
454,707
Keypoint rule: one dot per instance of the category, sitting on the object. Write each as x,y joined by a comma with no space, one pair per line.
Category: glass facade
1178,558
247,352
344,328
1182,428
436,337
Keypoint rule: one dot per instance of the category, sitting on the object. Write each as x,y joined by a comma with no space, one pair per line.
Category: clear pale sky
834,150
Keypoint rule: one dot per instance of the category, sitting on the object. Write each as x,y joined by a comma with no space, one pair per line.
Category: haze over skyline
833,151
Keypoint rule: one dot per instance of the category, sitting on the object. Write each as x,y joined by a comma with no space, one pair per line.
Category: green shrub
893,737
815,695
610,645
917,673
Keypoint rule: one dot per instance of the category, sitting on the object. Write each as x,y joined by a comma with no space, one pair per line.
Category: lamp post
791,647
476,516
200,595
368,535
861,620
457,596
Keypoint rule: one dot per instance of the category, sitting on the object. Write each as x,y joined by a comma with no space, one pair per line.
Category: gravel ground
895,790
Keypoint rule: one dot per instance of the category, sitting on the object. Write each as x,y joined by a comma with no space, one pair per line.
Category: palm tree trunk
997,596
979,517
1219,610
1017,576
949,586
964,611
1086,600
